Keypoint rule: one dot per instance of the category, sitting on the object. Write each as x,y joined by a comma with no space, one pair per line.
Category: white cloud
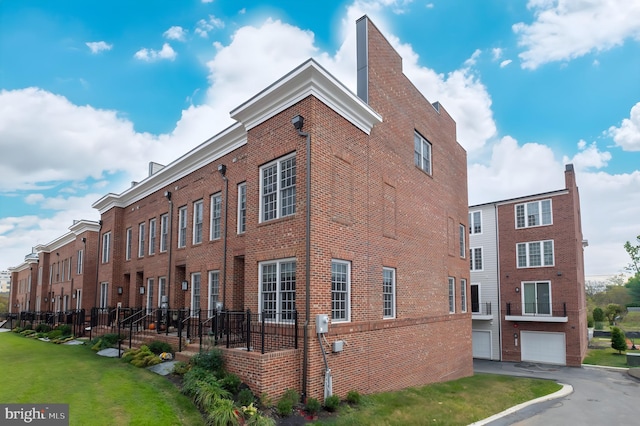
207,1
589,157
505,63
496,52
204,26
175,33
98,46
627,136
150,55
566,29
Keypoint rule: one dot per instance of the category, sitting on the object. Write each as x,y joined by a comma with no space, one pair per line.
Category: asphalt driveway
600,395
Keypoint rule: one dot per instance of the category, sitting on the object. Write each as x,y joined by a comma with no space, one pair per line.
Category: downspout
170,248
223,170
495,208
98,263
298,122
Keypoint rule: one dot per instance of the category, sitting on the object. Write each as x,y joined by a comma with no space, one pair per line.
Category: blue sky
91,92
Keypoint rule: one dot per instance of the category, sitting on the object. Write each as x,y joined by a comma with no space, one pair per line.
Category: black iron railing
481,308
537,309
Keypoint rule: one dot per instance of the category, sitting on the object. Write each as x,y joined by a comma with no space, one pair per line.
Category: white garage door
538,346
481,344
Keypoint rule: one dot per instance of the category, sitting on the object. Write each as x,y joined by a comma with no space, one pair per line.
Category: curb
566,390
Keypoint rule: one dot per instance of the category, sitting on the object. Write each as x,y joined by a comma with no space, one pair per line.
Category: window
422,152
216,214
242,208
104,295
475,298
463,295
214,291
452,295
536,213
278,289
197,222
164,232
340,291
475,222
388,293
106,247
141,238
152,236
149,295
535,254
182,227
536,298
69,262
79,262
162,290
195,294
278,188
475,259
78,299
463,235
127,250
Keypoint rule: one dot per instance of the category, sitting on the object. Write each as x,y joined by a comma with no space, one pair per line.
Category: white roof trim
84,226
59,242
309,79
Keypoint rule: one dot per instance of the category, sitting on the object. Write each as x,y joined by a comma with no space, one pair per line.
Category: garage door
481,343
543,347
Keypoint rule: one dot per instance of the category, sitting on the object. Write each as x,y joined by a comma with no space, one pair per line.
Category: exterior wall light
185,285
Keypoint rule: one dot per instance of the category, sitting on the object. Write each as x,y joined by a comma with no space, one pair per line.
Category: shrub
265,400
245,397
223,413
312,406
142,357
65,329
192,377
158,347
353,397
598,315
43,328
54,334
332,403
259,420
211,360
618,341
284,407
590,321
231,382
208,392
292,395
181,368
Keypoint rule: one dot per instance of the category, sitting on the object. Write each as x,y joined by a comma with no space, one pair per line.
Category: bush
618,340
291,395
589,321
211,360
284,407
265,400
54,334
332,403
223,413
208,392
353,397
158,347
245,397
231,382
181,368
142,357
43,328
192,377
312,406
65,329
598,315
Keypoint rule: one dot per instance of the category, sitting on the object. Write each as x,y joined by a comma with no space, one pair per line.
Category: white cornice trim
84,226
223,143
309,79
59,242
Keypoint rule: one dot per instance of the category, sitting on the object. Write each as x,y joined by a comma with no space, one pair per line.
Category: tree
618,341
598,315
634,254
633,287
612,312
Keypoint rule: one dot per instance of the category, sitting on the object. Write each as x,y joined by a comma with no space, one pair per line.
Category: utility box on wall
322,323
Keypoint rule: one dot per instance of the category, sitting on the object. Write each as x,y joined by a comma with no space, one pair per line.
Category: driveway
600,395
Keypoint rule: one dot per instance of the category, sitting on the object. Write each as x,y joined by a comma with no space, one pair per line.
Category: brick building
318,201
527,278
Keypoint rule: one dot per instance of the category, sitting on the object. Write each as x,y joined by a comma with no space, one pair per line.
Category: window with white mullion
535,213
475,222
278,289
278,188
242,208
197,221
164,232
141,239
149,295
182,226
452,295
195,294
463,235
388,293
535,254
422,152
152,236
216,217
214,291
162,290
463,295
475,259
340,291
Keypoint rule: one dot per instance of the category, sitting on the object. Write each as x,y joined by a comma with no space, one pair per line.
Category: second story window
79,262
197,222
152,236
278,188
536,213
475,259
475,223
422,152
127,250
216,215
164,232
535,254
463,235
141,239
242,208
106,247
182,227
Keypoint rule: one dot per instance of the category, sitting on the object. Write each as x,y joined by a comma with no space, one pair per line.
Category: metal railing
481,308
537,309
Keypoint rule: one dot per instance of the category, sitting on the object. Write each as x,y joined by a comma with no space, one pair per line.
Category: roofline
523,198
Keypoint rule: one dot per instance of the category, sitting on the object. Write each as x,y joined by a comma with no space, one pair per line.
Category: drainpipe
98,263
223,172
167,194
298,122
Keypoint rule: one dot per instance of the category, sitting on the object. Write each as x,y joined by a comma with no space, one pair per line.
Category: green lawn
99,390
459,402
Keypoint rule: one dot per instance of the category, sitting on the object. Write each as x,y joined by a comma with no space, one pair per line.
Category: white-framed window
535,213
150,285
216,216
452,295
195,294
278,289
475,259
69,263
214,291
164,232
182,226
536,298
388,293
162,290
475,298
152,236
141,239
463,246
421,152
475,222
198,207
78,298
278,188
340,291
242,208
104,294
62,269
127,250
79,261
463,295
535,254
106,247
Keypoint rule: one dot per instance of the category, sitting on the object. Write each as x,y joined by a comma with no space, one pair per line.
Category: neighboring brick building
535,274
23,279
370,229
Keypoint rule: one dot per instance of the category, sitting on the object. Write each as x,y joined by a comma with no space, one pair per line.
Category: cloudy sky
91,92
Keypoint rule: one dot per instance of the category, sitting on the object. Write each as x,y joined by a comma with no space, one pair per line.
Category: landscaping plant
618,340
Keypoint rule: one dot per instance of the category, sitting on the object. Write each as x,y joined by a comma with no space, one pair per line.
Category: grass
99,390
605,356
459,402
631,321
